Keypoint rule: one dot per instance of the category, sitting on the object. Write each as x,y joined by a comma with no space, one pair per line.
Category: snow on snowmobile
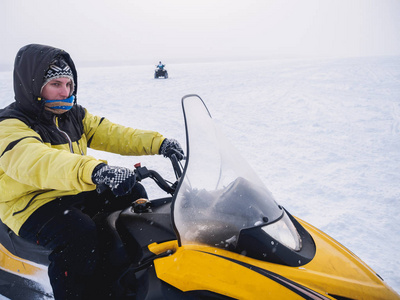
219,235
160,72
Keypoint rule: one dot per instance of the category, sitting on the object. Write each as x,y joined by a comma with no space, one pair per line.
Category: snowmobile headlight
284,232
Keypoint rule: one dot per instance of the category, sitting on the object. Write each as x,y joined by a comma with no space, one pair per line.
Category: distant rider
160,65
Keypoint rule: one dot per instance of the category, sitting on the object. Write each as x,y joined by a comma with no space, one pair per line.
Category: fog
132,32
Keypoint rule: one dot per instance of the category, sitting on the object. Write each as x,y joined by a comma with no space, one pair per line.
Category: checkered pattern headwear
58,69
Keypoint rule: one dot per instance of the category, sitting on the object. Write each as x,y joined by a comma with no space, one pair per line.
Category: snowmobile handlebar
143,172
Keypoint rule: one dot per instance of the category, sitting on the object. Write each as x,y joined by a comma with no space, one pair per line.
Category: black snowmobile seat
22,248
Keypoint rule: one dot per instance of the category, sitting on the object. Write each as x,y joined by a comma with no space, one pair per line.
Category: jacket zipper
64,133
80,148
27,205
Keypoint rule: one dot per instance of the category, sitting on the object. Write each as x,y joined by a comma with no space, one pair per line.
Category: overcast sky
191,30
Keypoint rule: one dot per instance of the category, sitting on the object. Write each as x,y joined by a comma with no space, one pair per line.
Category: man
160,65
48,183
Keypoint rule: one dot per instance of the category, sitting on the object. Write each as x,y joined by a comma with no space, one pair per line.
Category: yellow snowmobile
220,235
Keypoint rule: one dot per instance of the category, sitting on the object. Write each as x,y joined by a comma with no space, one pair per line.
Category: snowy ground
324,135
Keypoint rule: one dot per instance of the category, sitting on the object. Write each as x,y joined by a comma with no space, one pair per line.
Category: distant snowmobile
220,235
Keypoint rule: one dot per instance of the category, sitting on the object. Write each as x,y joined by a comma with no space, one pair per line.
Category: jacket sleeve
26,159
107,136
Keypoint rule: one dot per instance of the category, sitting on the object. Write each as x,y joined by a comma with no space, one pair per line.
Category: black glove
172,146
120,180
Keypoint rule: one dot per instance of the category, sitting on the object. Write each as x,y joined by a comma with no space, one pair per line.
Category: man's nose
65,91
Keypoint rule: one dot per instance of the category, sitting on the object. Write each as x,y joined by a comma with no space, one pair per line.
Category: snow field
323,135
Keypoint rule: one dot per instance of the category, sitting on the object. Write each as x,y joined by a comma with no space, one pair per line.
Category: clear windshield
219,194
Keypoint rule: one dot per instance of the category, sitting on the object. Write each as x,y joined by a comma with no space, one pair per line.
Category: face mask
59,106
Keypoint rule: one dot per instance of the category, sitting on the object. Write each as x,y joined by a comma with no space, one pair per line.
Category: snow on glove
171,146
120,180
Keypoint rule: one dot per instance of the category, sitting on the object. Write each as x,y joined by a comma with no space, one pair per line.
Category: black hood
31,64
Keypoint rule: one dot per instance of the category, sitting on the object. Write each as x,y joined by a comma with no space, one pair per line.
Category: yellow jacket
43,156
33,172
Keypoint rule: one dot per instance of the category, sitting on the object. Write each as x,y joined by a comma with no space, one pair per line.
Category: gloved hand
172,146
120,180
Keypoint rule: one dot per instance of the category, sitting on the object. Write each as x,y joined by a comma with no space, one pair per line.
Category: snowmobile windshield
219,194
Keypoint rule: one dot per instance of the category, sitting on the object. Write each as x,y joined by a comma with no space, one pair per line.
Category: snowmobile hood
31,64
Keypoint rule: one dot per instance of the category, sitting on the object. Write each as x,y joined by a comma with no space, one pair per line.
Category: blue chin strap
69,101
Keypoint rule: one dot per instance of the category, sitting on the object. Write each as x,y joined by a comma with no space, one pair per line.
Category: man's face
57,89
